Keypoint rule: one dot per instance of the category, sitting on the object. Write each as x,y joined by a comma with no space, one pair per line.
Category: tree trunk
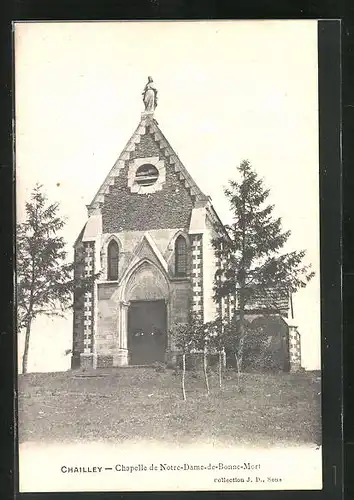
238,370
183,375
220,369
242,282
26,349
29,320
242,321
224,358
240,352
205,371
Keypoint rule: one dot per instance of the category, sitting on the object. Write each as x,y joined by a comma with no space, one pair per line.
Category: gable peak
147,126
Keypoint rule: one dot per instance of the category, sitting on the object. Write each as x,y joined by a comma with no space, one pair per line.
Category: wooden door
147,335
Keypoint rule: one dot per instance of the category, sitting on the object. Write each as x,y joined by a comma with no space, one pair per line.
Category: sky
227,91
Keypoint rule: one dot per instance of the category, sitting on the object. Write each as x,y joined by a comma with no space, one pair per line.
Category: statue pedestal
147,115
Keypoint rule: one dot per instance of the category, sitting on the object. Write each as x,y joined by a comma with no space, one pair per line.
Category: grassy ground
139,403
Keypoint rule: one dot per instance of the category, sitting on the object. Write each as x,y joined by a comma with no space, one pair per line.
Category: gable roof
147,122
275,299
145,249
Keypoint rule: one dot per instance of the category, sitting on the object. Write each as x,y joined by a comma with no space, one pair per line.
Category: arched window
180,256
112,260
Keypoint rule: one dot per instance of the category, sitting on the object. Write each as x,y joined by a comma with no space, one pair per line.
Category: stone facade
145,220
162,226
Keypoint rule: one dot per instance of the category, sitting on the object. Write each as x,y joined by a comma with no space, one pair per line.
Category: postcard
168,256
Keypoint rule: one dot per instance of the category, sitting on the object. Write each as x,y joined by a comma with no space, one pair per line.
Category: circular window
146,175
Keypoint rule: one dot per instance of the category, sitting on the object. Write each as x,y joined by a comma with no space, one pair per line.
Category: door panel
147,331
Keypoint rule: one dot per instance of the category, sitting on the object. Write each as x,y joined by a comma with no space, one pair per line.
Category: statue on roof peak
150,95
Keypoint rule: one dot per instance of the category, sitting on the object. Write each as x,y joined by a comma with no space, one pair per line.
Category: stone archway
145,313
146,282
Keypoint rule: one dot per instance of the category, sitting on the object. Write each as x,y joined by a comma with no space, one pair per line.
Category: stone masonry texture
126,211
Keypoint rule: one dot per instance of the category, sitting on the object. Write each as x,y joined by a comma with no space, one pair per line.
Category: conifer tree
44,277
252,261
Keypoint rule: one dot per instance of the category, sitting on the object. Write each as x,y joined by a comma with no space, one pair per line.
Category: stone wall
180,299
78,312
87,356
294,348
209,269
168,208
107,320
197,275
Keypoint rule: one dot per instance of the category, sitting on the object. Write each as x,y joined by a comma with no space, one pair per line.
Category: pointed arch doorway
147,295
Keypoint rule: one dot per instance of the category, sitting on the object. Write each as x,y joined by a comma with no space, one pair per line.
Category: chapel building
148,237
